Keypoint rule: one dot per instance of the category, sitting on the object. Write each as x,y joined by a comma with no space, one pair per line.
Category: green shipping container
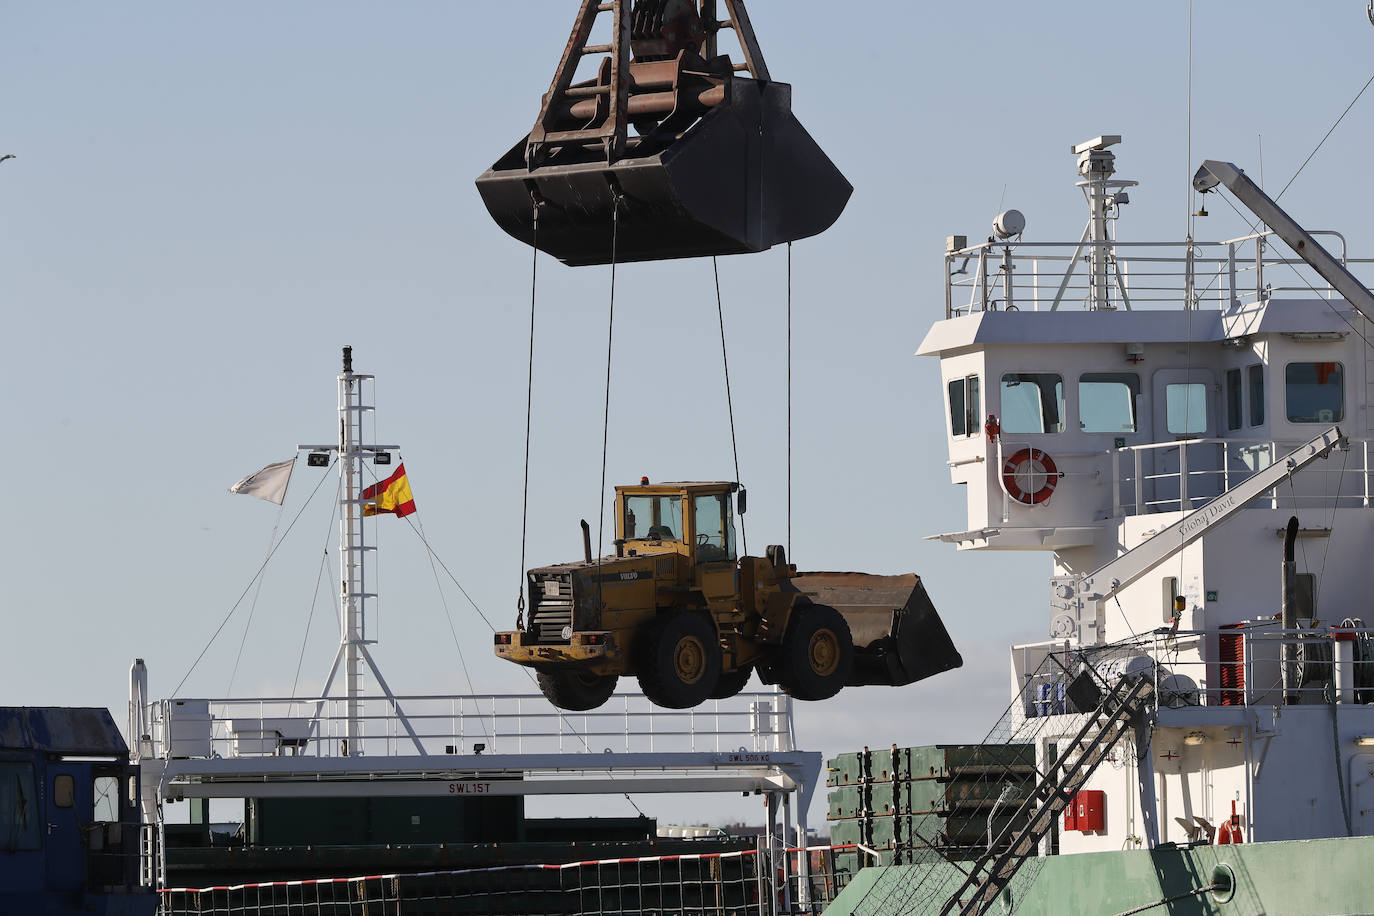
848,801
965,760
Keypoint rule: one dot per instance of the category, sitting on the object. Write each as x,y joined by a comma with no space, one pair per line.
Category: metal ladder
993,871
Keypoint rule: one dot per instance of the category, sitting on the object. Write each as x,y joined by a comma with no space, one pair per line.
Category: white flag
269,483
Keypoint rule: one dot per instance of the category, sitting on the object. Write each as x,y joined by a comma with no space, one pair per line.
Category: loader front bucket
899,637
744,176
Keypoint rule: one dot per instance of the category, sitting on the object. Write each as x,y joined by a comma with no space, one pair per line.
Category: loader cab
694,520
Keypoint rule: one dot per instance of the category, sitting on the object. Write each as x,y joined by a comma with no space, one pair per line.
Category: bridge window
1256,379
18,808
1185,405
1233,396
1106,402
1314,392
1032,402
964,409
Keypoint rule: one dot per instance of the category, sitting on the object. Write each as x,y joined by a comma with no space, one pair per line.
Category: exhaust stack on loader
676,607
716,164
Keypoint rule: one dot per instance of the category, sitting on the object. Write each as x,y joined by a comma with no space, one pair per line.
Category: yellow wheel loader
676,607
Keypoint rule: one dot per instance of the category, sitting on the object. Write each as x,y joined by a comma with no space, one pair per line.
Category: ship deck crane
1092,591
1214,172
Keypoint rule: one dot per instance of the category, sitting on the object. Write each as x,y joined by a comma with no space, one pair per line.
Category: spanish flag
391,495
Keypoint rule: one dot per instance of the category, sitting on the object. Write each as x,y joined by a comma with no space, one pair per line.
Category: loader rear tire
680,664
576,691
727,685
817,653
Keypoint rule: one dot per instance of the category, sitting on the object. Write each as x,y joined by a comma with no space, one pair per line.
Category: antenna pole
352,569
353,551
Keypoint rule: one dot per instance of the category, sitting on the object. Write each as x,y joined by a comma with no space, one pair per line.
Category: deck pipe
1290,613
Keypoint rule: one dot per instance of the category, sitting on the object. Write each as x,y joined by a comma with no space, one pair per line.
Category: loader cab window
656,518
715,528
1314,392
19,827
1032,402
964,407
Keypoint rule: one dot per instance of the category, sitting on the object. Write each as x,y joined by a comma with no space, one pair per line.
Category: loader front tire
680,664
817,653
575,690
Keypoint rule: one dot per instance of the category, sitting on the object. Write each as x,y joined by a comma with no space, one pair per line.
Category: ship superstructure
1100,393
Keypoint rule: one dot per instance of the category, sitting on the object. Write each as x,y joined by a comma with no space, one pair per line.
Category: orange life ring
1024,470
1229,833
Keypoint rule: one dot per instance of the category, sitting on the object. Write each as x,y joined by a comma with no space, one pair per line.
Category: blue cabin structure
70,838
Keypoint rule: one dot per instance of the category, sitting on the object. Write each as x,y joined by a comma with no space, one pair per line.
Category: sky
209,201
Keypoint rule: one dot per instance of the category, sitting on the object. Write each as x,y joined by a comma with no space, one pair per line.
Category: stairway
990,874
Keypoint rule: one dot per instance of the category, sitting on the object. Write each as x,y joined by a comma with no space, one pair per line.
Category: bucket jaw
716,164
899,637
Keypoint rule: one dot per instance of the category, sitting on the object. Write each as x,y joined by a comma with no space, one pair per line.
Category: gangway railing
1124,705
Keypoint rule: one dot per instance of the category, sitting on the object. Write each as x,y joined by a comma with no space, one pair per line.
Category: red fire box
1071,815
1090,806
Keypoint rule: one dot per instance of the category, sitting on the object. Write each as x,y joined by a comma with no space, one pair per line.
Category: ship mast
353,551
1097,165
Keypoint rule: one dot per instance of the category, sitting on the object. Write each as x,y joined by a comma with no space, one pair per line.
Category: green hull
1331,877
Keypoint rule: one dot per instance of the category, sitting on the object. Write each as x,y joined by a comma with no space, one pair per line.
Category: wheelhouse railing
744,725
1186,473
1049,276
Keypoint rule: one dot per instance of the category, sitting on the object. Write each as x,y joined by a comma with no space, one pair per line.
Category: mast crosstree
353,551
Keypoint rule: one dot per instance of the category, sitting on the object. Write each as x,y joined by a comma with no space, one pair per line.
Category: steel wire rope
729,402
252,608
529,410
789,399
606,412
1255,221
248,587
1354,329
1195,892
315,595
448,617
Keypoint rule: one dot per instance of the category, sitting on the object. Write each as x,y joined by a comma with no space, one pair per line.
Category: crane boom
1214,172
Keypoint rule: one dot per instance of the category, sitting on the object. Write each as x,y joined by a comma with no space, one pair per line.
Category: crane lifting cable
716,163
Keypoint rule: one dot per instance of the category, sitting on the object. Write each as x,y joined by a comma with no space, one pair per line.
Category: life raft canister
1030,476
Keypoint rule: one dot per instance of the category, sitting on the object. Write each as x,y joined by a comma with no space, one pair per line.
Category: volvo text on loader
676,607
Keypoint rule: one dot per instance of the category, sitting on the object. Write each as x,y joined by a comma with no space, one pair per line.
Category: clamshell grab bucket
899,637
671,148
743,178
